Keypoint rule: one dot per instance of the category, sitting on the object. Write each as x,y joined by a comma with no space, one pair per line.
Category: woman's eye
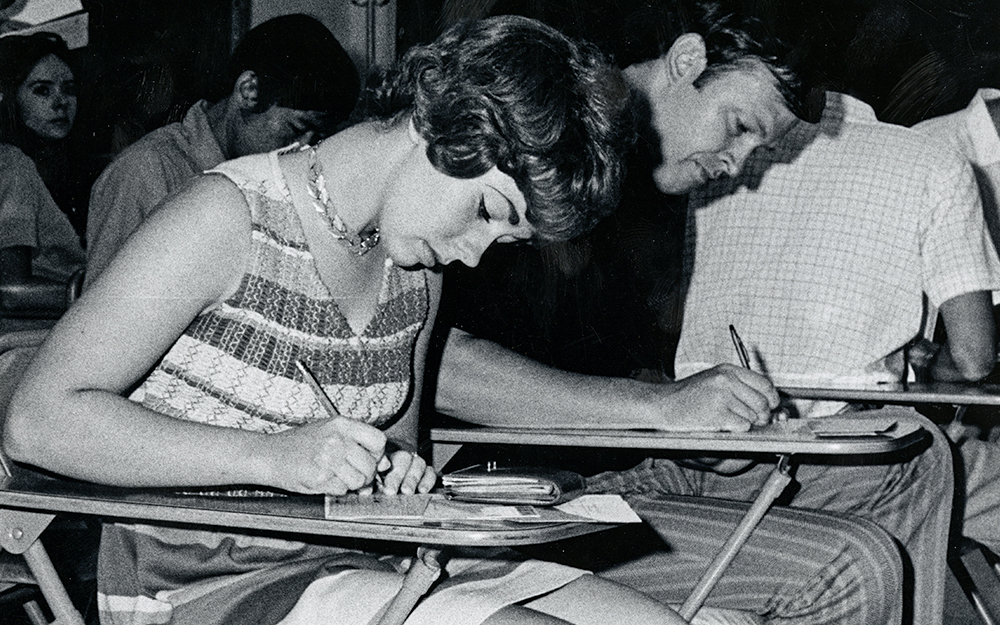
483,213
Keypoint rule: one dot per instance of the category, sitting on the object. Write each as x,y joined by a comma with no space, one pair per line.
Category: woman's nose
471,250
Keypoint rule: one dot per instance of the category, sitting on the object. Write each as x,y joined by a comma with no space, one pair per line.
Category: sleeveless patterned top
234,366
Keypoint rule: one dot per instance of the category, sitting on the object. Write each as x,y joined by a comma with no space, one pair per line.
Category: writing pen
332,412
741,349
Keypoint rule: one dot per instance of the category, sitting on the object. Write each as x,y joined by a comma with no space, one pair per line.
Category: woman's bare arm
70,415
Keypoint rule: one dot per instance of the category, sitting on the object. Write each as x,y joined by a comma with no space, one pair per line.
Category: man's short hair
646,29
299,64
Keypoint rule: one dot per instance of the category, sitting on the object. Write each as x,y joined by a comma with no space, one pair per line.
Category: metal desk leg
775,484
19,532
425,569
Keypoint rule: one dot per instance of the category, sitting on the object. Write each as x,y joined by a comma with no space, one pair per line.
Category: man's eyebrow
512,217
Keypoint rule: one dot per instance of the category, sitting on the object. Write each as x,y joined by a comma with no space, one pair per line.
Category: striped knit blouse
234,366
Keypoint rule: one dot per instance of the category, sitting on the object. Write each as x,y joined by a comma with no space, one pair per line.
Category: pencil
318,392
331,410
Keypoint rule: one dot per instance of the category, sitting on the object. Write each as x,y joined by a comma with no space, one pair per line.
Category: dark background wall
909,59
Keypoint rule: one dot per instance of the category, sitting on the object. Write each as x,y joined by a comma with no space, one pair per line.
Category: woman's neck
359,163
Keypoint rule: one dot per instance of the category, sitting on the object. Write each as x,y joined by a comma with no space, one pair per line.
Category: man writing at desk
711,103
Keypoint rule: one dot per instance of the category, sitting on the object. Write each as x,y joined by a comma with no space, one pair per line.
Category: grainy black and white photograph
499,312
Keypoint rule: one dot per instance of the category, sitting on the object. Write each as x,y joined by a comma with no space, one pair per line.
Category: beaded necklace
360,243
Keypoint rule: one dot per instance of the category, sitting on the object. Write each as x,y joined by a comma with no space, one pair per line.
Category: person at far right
975,133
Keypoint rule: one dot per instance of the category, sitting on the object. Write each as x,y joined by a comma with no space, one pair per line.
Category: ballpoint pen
741,349
331,411
780,413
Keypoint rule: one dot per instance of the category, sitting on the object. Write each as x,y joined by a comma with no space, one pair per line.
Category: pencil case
535,486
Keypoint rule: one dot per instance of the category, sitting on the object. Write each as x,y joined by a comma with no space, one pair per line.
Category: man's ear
686,59
246,90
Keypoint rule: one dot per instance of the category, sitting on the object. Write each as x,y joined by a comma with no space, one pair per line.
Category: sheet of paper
601,508
442,509
376,506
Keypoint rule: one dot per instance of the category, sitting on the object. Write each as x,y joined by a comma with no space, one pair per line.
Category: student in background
975,133
288,80
41,257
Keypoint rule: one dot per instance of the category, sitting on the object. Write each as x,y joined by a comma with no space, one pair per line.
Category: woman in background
41,256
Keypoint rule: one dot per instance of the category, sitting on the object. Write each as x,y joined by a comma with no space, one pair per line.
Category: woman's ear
686,59
246,90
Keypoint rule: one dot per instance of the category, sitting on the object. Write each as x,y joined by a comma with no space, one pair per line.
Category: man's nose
739,154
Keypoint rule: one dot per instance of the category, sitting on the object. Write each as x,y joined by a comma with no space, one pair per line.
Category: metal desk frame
785,438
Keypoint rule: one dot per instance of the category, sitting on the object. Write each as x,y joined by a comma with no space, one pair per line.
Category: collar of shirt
982,132
205,147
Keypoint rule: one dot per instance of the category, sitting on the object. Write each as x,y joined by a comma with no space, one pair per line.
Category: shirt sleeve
22,192
957,253
124,195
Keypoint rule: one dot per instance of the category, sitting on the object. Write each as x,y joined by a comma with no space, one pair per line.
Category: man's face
709,131
277,127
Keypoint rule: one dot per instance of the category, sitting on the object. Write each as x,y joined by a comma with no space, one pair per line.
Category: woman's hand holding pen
330,456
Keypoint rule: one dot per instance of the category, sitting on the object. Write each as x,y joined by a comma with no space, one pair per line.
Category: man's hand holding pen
725,398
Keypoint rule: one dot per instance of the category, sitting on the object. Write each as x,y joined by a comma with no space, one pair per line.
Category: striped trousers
978,495
832,558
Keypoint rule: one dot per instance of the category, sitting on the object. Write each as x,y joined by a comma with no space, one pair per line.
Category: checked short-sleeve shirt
971,131
822,251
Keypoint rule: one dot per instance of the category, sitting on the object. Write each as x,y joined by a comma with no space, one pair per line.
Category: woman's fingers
409,474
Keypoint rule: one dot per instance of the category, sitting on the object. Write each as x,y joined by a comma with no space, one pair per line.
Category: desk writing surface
37,492
791,436
962,394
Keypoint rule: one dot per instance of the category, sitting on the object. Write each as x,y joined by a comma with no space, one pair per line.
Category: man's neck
218,120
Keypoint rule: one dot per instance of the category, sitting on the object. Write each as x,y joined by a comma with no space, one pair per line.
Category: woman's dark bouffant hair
511,92
18,56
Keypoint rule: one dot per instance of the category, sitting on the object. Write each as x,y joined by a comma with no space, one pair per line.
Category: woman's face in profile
430,218
47,98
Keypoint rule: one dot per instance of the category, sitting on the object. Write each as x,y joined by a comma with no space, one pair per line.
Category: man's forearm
485,383
970,351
